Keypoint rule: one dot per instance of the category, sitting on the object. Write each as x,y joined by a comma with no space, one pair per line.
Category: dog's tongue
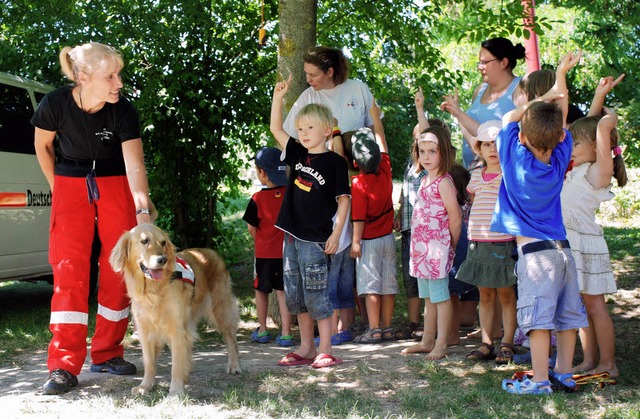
156,274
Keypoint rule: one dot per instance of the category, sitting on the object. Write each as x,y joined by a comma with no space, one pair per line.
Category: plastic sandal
346,336
387,334
507,351
526,386
370,336
335,340
286,340
260,337
478,355
563,382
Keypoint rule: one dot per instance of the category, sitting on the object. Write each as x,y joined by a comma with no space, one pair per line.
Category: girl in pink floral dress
435,229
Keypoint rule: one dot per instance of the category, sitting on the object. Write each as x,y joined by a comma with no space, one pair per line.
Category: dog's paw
140,390
233,369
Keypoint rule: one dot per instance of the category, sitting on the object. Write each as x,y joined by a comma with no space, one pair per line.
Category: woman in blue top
494,96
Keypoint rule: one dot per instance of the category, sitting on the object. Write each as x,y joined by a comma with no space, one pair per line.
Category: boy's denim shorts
342,280
376,267
437,290
548,293
306,278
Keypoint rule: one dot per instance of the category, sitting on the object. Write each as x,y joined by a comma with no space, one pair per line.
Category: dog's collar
182,272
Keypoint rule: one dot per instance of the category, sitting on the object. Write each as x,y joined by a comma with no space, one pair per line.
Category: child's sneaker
260,337
527,386
286,340
563,382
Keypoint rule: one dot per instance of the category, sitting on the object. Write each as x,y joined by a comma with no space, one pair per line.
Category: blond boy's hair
318,113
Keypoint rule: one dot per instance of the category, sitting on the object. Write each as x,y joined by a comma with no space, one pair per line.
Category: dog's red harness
183,272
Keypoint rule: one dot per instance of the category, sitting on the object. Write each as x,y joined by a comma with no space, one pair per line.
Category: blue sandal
527,386
562,381
260,337
286,340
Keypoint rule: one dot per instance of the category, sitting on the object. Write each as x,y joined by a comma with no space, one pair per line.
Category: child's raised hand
569,61
281,87
606,84
419,98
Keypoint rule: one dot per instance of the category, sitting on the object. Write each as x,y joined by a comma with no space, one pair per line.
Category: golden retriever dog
167,308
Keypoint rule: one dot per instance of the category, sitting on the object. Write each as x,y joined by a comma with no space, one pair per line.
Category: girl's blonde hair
584,129
318,113
88,58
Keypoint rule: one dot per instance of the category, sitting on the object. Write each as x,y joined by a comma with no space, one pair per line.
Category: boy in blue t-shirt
534,159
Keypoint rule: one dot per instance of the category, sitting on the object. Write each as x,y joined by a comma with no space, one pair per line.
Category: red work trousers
73,221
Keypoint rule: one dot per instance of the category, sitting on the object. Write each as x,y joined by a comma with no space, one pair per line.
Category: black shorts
268,275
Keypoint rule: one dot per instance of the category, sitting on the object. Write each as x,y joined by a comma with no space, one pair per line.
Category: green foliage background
202,84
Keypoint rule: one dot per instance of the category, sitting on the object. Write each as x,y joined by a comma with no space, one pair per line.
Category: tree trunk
297,34
298,20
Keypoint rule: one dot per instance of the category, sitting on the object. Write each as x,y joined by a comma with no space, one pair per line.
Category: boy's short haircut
542,125
347,144
537,83
317,112
365,150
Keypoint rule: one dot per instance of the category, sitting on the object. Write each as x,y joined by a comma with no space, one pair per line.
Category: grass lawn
374,382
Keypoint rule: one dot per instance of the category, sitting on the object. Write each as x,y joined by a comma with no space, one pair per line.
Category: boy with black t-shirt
313,213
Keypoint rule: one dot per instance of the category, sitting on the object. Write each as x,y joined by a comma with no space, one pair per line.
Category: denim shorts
306,278
437,290
376,267
410,282
548,293
341,280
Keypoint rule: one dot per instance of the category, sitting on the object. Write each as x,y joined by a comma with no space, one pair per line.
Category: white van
25,196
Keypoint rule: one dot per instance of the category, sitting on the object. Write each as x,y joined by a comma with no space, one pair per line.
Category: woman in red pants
97,176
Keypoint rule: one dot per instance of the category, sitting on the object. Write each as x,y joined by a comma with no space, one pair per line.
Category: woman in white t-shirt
327,73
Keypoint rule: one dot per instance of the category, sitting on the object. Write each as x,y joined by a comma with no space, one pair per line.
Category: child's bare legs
324,329
413,307
388,304
285,316
307,346
468,309
430,326
347,318
262,303
453,336
373,310
362,310
444,310
507,298
487,305
598,337
565,345
540,341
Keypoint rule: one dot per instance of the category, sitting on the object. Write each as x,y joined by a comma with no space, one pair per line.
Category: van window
16,132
